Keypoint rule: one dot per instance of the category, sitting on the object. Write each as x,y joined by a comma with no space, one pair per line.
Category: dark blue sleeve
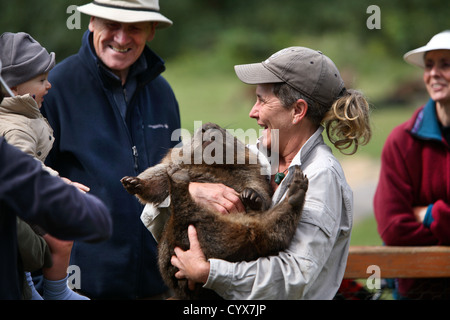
37,197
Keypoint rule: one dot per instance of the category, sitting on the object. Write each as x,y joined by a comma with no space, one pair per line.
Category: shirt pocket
319,214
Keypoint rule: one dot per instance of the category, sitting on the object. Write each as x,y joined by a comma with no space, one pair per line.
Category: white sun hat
440,41
126,11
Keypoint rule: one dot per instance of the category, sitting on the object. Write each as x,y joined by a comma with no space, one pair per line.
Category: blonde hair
347,122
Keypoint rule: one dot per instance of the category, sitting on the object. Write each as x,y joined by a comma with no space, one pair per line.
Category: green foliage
246,29
46,22
210,36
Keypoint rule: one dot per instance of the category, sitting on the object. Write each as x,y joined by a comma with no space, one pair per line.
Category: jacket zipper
135,156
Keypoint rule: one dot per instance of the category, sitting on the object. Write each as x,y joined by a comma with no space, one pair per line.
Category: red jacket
415,171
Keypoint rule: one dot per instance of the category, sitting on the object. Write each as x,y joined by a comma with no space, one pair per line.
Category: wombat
261,231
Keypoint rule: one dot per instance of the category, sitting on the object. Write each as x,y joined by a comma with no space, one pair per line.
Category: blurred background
209,37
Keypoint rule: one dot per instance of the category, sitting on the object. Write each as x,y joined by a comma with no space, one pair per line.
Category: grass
210,96
364,233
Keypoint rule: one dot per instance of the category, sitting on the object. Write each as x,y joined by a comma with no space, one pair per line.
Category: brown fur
261,231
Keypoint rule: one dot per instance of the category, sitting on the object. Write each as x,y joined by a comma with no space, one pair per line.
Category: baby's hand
79,186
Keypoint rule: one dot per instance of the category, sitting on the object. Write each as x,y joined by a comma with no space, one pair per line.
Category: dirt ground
362,174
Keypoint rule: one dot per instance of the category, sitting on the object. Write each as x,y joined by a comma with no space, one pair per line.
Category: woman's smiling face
270,114
437,75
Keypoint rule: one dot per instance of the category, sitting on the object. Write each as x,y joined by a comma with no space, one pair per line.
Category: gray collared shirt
313,266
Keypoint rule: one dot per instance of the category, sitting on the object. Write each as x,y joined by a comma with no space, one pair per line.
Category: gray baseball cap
308,71
23,58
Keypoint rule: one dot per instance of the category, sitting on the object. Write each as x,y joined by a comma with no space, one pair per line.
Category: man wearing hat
113,115
412,200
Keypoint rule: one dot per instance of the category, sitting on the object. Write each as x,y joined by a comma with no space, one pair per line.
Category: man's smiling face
118,45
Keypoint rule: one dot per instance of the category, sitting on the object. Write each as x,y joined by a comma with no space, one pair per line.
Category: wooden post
399,262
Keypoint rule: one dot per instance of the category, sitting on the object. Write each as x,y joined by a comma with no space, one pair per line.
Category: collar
426,124
270,164
309,145
24,105
135,70
299,158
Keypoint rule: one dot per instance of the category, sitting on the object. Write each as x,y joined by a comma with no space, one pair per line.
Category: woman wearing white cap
299,94
412,201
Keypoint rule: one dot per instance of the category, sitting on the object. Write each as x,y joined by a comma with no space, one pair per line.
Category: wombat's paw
178,175
132,184
297,188
251,199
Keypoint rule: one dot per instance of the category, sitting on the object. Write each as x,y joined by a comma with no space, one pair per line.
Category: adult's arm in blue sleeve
37,197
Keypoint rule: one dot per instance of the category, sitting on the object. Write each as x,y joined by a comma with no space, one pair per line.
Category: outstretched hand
77,185
192,264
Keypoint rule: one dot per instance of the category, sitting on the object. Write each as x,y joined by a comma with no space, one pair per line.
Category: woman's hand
192,264
216,197
419,213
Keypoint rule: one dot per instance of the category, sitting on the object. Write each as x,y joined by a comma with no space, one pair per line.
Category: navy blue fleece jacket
97,146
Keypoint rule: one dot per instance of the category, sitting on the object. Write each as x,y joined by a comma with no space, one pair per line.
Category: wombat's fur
262,231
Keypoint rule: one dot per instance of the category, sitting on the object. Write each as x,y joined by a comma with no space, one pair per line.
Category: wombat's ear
179,175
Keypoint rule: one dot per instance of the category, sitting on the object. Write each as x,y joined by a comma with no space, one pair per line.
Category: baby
25,69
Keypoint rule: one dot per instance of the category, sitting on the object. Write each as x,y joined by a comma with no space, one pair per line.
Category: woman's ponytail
347,123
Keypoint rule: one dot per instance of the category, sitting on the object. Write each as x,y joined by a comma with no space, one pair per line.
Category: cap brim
416,56
255,73
125,16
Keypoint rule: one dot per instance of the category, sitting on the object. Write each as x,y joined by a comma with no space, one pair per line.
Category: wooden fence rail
399,262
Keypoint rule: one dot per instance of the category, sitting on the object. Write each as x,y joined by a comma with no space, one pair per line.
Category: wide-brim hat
440,41
126,11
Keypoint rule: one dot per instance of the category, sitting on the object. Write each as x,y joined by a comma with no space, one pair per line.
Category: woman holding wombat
299,94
